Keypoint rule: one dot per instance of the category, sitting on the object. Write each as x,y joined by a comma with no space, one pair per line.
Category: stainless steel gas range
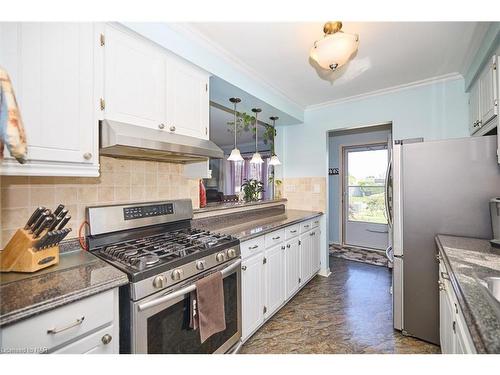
154,244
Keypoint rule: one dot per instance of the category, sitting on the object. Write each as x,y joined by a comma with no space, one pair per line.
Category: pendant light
235,153
274,158
256,158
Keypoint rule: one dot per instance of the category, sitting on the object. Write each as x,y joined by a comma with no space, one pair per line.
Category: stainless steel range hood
122,140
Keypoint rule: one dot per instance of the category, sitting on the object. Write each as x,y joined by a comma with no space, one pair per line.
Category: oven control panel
139,212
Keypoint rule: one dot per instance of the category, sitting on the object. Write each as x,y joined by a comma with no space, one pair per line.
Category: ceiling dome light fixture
274,158
336,47
256,158
235,153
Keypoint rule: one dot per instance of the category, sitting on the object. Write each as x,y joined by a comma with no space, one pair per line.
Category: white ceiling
390,54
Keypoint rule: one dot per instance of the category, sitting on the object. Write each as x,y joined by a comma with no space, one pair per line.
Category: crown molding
238,64
406,86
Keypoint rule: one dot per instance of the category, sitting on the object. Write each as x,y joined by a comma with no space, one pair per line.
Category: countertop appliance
438,187
163,256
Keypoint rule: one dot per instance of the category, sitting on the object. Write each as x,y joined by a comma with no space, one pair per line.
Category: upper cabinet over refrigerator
53,73
146,85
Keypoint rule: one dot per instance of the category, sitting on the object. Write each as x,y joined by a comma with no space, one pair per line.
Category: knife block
20,256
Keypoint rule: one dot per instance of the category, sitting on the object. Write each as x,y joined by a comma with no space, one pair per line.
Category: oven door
161,321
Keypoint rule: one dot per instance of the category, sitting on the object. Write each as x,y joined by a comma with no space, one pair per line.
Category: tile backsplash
120,181
305,193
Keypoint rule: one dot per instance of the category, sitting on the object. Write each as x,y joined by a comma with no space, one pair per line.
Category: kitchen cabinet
274,267
483,100
252,294
145,85
55,78
453,332
89,325
274,273
292,268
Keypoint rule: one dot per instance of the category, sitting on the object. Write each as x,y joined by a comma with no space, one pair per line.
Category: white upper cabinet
147,86
134,79
52,67
488,107
187,100
483,100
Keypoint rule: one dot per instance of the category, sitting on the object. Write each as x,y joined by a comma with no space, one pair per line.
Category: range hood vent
122,140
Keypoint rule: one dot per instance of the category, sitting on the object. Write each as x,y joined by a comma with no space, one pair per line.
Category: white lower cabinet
252,294
274,267
453,332
89,325
274,274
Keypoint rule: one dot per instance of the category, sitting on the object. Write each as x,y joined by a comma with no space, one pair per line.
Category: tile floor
348,312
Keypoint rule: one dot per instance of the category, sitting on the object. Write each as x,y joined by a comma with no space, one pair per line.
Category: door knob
161,126
87,156
106,339
172,128
244,268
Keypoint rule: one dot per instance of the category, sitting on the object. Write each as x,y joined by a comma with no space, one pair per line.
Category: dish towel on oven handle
207,306
12,132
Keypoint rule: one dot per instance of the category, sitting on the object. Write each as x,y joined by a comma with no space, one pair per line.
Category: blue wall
433,111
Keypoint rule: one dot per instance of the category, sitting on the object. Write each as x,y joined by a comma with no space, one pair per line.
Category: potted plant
252,189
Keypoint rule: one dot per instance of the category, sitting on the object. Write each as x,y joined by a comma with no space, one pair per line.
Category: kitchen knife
59,209
55,222
46,222
39,221
34,217
42,241
64,222
64,233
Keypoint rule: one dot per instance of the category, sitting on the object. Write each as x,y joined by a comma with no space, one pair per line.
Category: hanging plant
245,123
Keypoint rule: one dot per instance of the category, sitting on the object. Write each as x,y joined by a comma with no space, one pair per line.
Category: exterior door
364,214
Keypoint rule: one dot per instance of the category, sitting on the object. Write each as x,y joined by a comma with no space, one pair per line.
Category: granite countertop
245,229
470,261
79,274
228,205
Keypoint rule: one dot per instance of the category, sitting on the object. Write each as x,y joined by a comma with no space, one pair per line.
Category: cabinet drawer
253,246
55,327
100,342
305,226
292,231
315,222
275,238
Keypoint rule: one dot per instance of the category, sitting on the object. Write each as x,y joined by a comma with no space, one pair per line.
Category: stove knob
200,265
231,253
160,281
220,257
177,274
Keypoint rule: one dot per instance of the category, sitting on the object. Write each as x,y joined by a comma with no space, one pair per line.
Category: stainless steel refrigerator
437,187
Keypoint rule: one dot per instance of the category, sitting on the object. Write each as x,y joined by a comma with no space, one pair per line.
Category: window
365,185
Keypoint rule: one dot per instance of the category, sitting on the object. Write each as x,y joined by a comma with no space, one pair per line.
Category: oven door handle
183,291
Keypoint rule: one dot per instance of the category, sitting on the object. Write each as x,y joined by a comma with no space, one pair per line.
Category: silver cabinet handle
276,238
244,268
306,226
53,331
161,126
106,339
288,246
87,156
293,231
253,247
172,128
312,233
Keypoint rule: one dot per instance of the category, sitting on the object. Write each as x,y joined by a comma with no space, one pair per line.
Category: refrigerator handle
388,213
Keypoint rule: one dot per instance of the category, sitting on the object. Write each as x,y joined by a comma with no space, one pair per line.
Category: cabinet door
252,294
187,99
292,270
52,70
315,250
488,94
134,79
305,256
474,108
274,270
